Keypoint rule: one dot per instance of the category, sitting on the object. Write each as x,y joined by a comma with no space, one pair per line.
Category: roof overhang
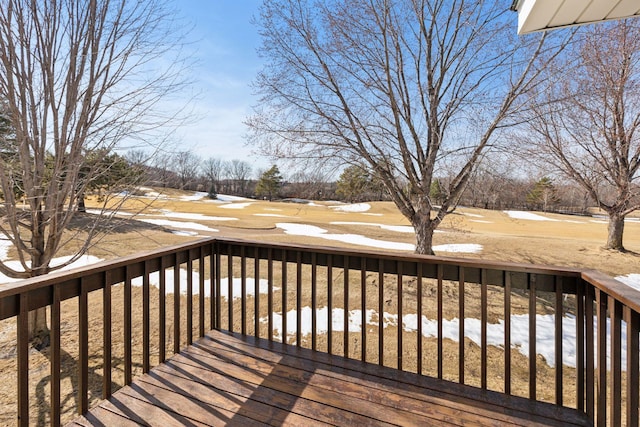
540,15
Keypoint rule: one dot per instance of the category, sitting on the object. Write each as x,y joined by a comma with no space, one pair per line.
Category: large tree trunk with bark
615,232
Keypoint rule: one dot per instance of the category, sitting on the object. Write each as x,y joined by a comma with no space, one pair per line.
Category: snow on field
356,239
80,262
545,330
469,248
528,216
236,205
396,228
198,195
481,221
196,216
227,198
632,280
5,245
180,225
472,215
236,284
355,207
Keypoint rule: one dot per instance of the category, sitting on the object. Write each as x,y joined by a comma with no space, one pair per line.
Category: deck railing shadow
467,321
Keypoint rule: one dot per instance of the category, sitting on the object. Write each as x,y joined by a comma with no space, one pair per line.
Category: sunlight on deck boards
229,379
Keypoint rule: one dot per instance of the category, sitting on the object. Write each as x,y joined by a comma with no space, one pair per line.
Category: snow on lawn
472,215
545,330
236,205
396,228
528,216
227,198
5,245
180,225
356,239
468,248
198,195
80,262
481,221
356,207
196,216
632,280
236,284
272,215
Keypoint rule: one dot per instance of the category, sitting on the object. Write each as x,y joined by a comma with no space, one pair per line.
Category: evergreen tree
269,183
353,183
543,195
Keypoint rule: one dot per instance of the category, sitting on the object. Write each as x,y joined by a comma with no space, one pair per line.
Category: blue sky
225,44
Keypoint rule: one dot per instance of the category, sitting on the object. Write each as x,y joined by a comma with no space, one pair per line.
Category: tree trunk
424,236
615,232
39,334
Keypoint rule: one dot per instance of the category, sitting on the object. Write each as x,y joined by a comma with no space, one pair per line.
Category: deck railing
566,336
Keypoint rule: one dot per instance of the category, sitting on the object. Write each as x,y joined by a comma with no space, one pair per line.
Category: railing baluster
440,318
243,292
127,327
176,304
461,315
22,326
399,290
601,404
189,299
284,297
314,302
270,292
201,272
615,313
633,359
256,285
345,289
532,337
363,309
483,329
419,316
106,334
162,311
298,299
230,289
55,356
218,302
590,349
330,304
212,287
558,340
83,349
580,343
507,332
380,312
145,319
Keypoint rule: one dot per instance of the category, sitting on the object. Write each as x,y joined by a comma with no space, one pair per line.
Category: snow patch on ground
355,207
632,280
481,221
227,198
197,216
198,195
180,225
236,205
528,216
472,215
313,231
5,245
469,248
236,284
396,228
545,329
83,261
272,215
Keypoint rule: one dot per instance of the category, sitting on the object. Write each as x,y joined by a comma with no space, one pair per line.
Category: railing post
83,351
23,360
55,357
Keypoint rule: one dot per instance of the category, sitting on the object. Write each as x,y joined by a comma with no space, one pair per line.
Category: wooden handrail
390,286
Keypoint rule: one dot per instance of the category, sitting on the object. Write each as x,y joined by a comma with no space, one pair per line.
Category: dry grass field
174,217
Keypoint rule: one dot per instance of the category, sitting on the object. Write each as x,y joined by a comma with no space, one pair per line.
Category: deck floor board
230,379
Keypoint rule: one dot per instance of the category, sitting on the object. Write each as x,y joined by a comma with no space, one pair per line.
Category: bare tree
591,134
187,165
213,171
404,87
239,172
78,78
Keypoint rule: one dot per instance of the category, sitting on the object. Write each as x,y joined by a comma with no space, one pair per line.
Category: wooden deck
229,379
